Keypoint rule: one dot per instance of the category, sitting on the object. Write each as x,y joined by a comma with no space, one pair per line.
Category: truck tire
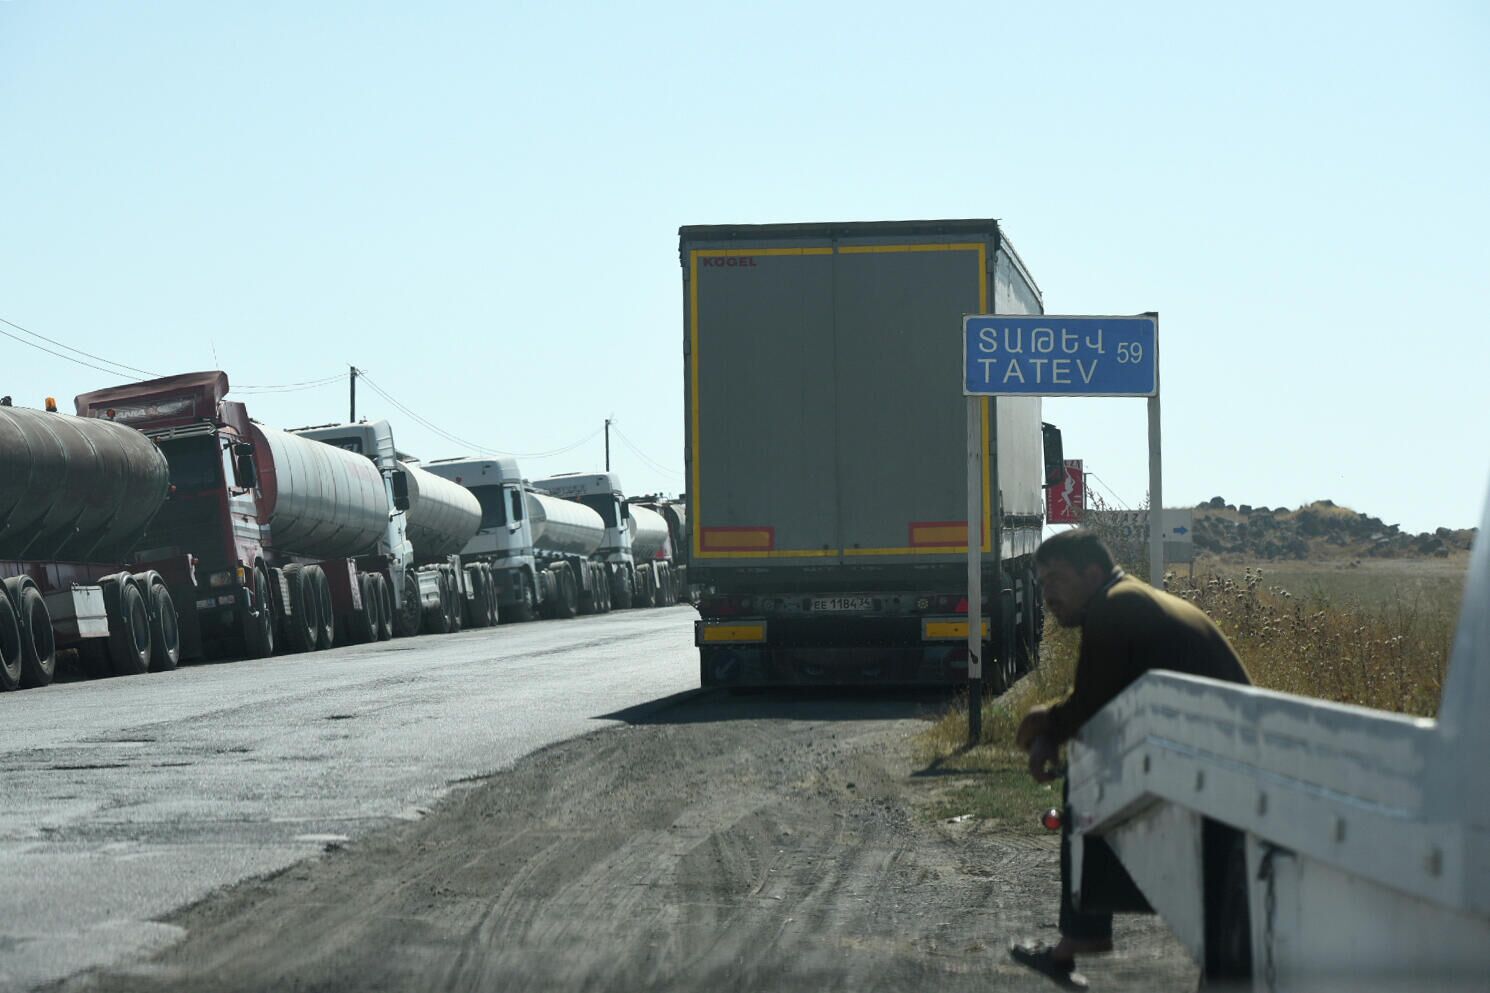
493,598
437,616
477,609
165,629
304,620
326,633
456,608
526,608
362,624
385,608
408,617
129,626
620,589
566,600
10,645
259,624
38,645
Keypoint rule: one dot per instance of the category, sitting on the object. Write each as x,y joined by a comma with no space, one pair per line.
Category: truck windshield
195,463
493,508
603,504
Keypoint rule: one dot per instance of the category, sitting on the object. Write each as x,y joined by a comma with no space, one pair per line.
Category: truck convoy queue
163,524
824,531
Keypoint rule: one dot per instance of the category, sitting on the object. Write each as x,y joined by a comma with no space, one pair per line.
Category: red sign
1064,503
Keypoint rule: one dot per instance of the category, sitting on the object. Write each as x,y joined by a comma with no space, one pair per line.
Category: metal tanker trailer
317,501
563,526
443,516
541,549
675,513
635,580
436,591
298,546
649,534
75,497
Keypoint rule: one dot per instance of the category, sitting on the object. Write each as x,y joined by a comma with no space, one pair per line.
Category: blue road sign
1057,355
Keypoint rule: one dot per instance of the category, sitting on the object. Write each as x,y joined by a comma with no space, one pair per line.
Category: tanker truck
635,550
538,547
296,544
675,513
75,495
441,593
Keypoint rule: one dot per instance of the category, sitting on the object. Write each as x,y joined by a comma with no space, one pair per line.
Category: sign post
1049,355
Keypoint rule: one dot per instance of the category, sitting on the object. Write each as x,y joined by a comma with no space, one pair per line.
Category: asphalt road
127,798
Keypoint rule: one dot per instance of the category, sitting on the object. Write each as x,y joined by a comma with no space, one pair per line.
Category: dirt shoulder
719,842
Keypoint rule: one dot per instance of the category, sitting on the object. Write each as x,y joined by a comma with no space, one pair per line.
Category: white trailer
636,549
539,548
1301,844
434,591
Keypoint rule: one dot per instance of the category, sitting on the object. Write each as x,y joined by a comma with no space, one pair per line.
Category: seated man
1127,628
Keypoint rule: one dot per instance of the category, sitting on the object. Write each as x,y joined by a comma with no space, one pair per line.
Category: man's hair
1078,548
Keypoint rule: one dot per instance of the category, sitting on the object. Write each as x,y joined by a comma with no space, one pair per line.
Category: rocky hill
1319,530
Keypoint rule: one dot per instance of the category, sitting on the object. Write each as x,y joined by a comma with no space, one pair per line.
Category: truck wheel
475,607
566,603
10,645
326,635
165,630
456,608
38,646
129,627
409,615
526,608
305,615
258,626
620,589
362,624
437,617
493,600
385,608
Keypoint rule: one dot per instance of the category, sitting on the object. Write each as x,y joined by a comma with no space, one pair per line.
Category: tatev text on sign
1056,355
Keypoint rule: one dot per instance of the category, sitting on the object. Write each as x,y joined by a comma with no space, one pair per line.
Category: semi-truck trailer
675,514
439,593
636,580
75,495
826,453
294,540
537,546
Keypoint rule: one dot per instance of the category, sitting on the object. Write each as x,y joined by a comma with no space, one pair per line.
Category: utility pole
352,417
607,444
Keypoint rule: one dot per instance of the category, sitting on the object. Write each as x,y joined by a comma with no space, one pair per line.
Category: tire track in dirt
726,849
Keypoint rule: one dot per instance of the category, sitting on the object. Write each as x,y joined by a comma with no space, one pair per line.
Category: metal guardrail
1367,834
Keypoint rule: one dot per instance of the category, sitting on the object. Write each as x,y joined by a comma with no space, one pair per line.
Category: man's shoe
1040,957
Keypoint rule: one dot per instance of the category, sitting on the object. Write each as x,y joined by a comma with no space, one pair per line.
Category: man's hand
1035,723
1044,754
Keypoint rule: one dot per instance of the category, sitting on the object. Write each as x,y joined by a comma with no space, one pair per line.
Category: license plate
831,603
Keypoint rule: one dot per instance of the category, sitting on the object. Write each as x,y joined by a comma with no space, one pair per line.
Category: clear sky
478,203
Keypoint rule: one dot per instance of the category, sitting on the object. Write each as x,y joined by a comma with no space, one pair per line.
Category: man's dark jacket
1130,628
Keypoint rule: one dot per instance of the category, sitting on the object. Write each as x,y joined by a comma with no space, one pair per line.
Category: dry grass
1387,651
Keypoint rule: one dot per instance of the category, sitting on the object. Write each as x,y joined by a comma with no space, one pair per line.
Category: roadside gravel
715,842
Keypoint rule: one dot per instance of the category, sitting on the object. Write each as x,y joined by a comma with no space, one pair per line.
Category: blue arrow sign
1056,355
1181,530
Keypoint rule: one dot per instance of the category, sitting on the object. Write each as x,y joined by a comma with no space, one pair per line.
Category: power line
69,358
1105,487
653,463
463,442
289,387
